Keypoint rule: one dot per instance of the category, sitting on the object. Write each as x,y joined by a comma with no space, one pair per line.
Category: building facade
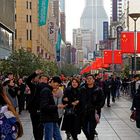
83,40
117,9
93,16
7,27
28,34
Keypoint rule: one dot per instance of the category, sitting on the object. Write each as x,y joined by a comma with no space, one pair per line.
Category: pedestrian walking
107,90
92,100
136,107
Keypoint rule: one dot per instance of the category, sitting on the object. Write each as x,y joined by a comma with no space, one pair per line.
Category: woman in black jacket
136,106
71,121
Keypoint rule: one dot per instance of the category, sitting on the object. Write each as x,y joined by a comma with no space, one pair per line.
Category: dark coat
49,111
92,99
136,105
106,86
34,98
71,122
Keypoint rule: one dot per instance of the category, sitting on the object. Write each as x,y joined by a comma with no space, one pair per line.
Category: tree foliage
23,63
69,69
125,72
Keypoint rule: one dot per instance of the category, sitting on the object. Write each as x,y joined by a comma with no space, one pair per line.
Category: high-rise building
7,27
93,16
117,9
56,11
63,25
77,39
63,20
83,41
28,34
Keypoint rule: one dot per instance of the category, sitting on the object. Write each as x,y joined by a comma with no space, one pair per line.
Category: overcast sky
74,9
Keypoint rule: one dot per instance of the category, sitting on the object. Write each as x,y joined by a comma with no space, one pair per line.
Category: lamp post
135,17
112,39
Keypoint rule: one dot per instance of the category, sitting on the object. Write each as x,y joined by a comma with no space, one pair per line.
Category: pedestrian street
115,123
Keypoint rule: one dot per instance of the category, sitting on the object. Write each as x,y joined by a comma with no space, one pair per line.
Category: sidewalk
114,125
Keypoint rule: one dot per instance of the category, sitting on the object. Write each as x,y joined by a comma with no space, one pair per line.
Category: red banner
127,42
138,42
117,57
105,65
99,62
94,65
107,56
85,70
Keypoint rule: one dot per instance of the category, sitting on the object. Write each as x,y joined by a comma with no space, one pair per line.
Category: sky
74,9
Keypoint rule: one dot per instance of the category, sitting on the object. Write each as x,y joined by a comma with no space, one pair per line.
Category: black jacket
106,86
136,100
91,99
49,111
34,98
72,122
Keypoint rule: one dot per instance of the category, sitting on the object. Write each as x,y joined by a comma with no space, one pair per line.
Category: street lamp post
135,17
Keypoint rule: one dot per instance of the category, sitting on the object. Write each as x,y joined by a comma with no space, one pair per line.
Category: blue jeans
52,131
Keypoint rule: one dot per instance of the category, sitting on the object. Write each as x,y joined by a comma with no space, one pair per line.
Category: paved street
114,125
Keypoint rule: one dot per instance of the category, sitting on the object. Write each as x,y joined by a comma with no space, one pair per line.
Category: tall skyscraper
63,20
117,9
93,16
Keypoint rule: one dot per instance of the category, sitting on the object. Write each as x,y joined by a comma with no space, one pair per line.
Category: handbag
133,116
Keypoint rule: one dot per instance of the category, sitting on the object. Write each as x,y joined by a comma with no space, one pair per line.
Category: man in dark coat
136,106
49,110
36,85
107,90
92,100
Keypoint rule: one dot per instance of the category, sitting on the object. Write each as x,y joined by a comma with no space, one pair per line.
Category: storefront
6,41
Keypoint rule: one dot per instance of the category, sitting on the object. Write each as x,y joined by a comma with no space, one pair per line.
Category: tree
69,69
23,63
50,68
125,72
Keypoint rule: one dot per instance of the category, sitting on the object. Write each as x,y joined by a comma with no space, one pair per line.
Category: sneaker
95,133
68,136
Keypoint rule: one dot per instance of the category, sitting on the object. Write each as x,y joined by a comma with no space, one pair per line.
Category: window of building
26,4
30,5
27,34
30,34
30,18
26,18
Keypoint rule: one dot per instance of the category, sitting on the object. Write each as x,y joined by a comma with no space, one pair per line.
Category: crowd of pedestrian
71,104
